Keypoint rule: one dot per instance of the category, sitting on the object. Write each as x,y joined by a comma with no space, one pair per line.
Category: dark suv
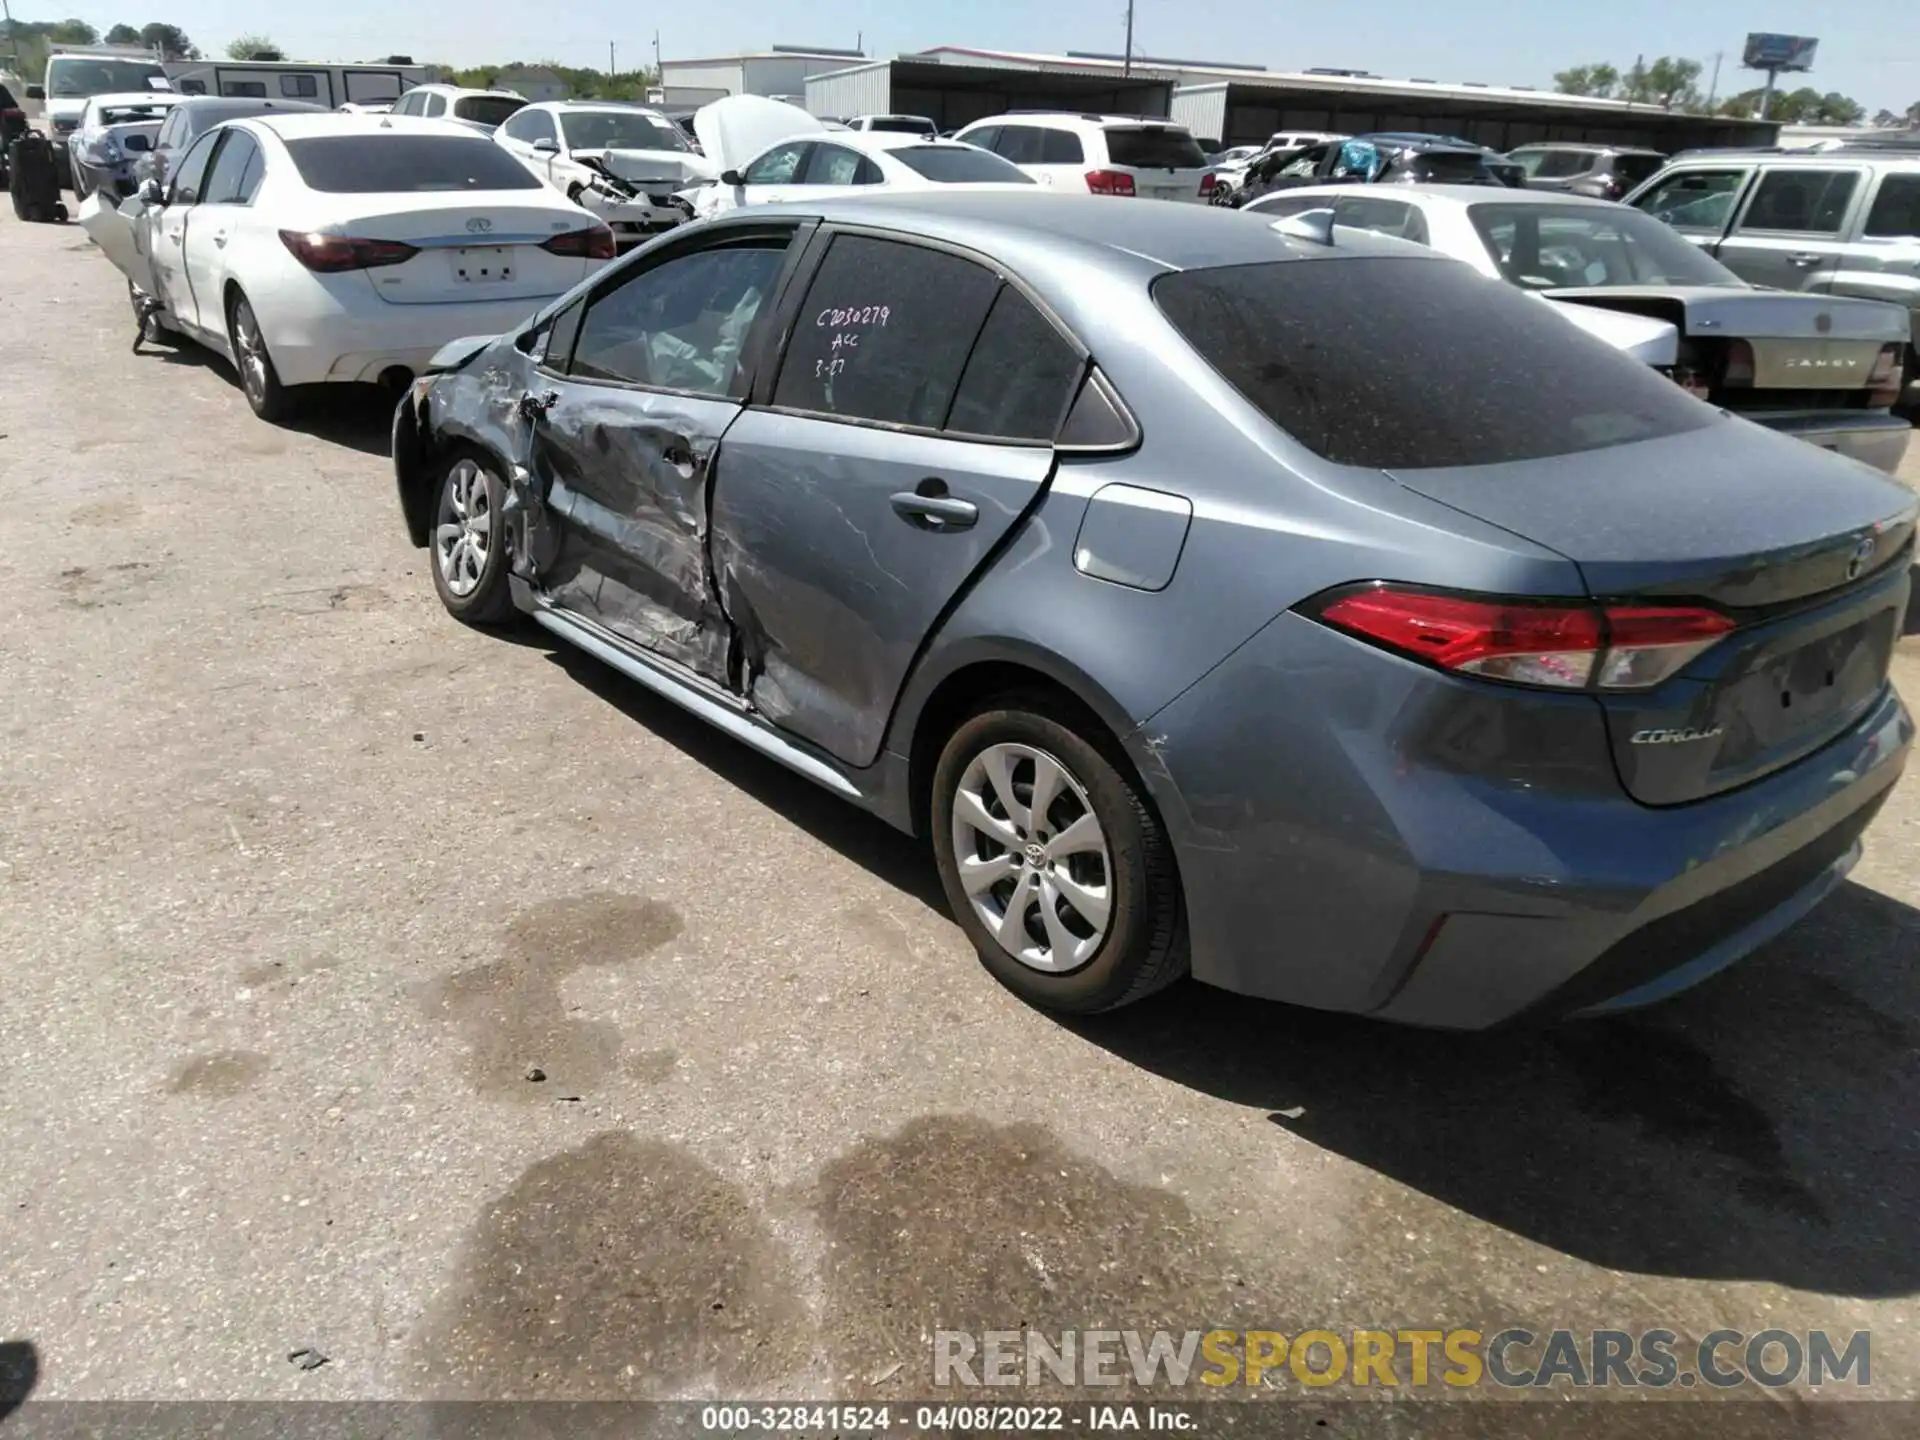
1606,172
1384,159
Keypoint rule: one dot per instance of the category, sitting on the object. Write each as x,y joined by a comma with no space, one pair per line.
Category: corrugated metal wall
726,76
865,91
1204,112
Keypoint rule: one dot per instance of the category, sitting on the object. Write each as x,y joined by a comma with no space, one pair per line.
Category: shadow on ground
1761,1127
355,417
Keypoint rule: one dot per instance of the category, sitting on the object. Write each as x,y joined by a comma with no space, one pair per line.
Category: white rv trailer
373,82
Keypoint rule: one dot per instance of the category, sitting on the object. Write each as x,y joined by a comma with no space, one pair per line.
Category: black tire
490,601
266,396
1144,947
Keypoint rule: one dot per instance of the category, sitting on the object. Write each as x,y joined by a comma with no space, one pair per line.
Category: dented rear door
623,437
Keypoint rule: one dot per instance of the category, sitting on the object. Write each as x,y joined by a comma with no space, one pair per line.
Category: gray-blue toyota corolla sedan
1321,619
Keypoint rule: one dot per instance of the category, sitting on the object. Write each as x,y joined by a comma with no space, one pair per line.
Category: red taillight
1570,646
594,243
1883,385
333,254
1207,182
1110,182
13,114
1738,367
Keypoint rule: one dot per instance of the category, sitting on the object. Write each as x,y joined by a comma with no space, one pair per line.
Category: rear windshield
1635,168
1553,164
1451,167
128,114
486,109
1408,364
619,130
1547,247
401,164
902,125
960,165
1155,148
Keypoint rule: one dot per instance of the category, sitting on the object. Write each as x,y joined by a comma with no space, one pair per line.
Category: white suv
481,109
1098,154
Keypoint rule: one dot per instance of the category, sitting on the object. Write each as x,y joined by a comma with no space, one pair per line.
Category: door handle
220,238
1803,260
929,506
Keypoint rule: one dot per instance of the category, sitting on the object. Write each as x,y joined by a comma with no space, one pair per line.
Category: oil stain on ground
624,1268
957,1224
515,1018
218,1075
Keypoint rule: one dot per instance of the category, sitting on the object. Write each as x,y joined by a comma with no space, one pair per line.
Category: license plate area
482,265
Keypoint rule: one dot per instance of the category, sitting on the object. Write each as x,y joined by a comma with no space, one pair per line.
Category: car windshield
486,109
1546,247
619,130
406,164
960,165
1440,366
71,77
1154,148
1447,167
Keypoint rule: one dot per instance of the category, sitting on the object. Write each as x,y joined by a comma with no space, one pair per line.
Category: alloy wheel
463,532
253,352
1032,857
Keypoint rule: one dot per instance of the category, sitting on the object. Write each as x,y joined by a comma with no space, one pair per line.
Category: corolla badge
1678,736
479,225
1861,558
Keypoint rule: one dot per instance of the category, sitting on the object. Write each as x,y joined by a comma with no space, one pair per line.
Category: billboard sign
1779,52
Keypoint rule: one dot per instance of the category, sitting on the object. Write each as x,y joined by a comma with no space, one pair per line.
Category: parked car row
1187,581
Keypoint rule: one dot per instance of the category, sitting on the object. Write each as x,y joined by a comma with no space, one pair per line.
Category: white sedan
768,152
625,163
330,247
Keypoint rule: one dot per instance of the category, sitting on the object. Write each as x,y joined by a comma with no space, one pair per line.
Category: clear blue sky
1867,51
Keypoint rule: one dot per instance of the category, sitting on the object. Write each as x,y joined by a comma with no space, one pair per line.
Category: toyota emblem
1862,557
479,226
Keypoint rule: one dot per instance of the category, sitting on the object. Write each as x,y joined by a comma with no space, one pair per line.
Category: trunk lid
1800,342
1806,550
473,248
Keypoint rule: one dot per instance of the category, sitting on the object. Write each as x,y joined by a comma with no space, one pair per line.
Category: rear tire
468,540
259,381
1074,905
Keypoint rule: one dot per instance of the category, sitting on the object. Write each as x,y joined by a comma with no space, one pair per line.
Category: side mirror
36,92
152,193
732,177
546,147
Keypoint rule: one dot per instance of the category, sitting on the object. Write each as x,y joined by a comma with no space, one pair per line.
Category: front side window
189,177
1896,209
679,325
884,333
227,184
986,137
1695,199
779,165
1440,367
1804,202
1544,247
533,126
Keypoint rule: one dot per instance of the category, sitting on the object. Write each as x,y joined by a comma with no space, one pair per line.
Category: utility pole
1713,91
659,75
1127,67
612,69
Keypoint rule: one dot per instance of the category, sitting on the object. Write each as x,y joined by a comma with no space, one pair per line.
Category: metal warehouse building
954,85
780,71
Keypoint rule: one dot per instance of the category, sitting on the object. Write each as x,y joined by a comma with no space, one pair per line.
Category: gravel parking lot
302,883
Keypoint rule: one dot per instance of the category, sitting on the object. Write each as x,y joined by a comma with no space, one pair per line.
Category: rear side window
680,325
406,164
1061,147
960,165
1440,367
1896,209
1808,202
1635,168
1154,148
884,333
1020,376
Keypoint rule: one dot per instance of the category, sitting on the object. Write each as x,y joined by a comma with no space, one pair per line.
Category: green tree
73,32
249,47
123,35
170,40
1598,80
1670,82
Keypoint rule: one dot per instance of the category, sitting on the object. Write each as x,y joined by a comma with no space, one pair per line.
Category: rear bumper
346,347
1358,833
1874,436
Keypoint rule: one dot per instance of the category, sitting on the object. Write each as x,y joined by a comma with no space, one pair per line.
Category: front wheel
1059,870
259,381
469,540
